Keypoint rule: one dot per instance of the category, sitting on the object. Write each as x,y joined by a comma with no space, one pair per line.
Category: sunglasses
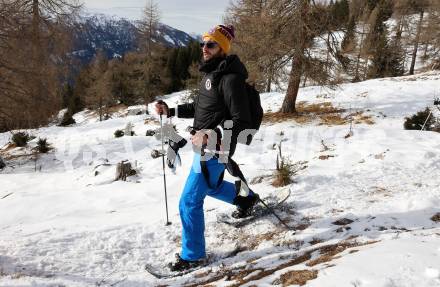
208,45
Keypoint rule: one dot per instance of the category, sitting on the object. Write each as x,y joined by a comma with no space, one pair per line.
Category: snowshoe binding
181,265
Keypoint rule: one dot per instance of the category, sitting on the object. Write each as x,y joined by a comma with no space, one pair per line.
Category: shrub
21,139
42,146
284,170
283,174
150,133
415,122
119,133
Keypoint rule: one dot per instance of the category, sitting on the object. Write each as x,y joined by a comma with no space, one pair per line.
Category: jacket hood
230,64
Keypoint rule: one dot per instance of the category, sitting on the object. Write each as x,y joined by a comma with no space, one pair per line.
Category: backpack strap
234,170
203,163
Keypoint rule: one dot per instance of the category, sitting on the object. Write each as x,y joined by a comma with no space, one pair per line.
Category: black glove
162,105
173,151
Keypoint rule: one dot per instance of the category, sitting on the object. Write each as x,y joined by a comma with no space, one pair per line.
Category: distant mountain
173,37
116,37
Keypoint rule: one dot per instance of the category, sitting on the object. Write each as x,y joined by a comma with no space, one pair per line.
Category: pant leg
224,190
191,205
192,217
191,210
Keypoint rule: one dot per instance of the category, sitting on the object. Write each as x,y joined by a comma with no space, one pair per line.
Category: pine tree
192,83
257,24
172,71
307,21
340,12
431,34
148,30
386,61
99,96
121,86
34,44
349,36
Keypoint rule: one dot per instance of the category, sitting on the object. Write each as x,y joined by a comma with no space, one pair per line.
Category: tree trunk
327,61
358,60
269,79
124,170
289,103
37,64
305,81
101,111
416,43
425,50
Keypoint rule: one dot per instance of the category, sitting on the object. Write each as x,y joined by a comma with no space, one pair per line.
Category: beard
218,54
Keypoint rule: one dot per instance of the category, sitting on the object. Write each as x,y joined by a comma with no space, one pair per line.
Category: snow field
66,225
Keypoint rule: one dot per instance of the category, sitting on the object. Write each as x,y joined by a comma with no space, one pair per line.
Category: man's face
211,50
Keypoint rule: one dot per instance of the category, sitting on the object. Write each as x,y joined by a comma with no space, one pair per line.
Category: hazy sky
191,16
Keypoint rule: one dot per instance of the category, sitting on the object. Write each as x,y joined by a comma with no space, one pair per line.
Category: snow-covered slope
363,205
116,37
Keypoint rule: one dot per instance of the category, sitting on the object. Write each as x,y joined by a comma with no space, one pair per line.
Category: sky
191,16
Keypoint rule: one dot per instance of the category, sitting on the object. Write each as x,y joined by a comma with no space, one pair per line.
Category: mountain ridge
117,36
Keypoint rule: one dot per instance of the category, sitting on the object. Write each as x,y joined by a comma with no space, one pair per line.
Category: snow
409,257
64,221
169,39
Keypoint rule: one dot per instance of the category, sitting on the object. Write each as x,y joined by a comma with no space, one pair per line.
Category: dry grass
325,157
286,170
325,112
253,241
318,109
8,147
328,255
298,277
26,156
330,252
243,275
302,226
149,121
360,118
283,176
343,221
333,120
315,241
117,108
381,191
111,111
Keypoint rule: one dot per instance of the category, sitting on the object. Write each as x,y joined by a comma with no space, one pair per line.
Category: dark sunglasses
208,45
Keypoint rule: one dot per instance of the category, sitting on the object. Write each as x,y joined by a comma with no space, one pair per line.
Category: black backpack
256,110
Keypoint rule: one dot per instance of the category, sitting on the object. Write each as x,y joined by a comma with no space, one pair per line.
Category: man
222,98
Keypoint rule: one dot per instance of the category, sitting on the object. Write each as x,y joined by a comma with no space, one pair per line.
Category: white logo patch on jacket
208,84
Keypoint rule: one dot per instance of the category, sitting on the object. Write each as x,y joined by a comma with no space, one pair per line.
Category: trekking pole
429,115
276,215
163,166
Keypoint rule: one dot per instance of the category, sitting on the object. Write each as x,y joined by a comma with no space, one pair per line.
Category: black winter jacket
222,96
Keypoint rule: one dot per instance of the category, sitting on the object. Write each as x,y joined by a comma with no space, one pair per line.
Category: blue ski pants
191,205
